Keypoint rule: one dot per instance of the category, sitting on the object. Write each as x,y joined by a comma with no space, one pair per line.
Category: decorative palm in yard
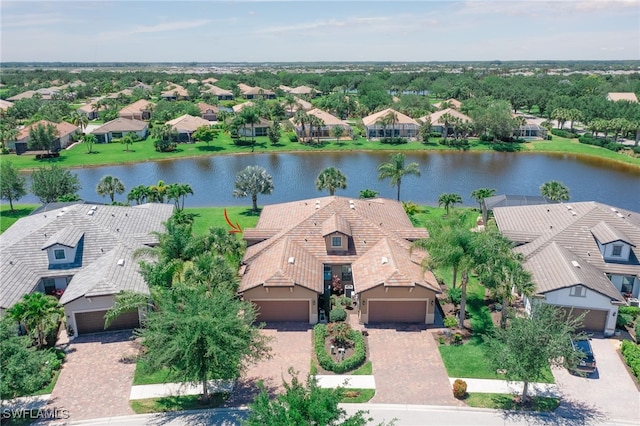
110,186
555,191
448,200
251,181
38,313
331,179
395,170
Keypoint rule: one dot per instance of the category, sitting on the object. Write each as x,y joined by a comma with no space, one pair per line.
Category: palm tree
250,116
331,179
38,312
250,182
89,140
110,185
290,102
395,170
449,200
139,194
158,192
555,191
301,118
337,132
391,118
79,119
479,195
8,134
178,192
128,139
316,122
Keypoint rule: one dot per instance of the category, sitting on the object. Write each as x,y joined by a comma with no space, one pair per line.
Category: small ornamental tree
12,184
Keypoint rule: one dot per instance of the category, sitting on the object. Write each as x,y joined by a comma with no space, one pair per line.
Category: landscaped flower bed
355,350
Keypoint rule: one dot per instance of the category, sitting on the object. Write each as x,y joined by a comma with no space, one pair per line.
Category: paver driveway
408,368
290,348
93,382
610,391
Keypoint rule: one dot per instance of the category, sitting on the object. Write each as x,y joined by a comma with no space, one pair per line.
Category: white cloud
32,20
157,28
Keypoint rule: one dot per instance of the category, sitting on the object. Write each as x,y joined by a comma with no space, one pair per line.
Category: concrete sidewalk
26,402
503,386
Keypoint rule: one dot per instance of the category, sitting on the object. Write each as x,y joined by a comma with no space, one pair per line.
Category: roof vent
573,213
292,260
613,209
94,208
385,260
575,264
621,216
569,207
120,262
91,212
352,206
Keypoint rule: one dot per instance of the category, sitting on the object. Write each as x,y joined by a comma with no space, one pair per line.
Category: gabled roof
206,107
24,95
436,117
572,227
173,89
506,200
622,96
124,92
239,107
329,120
188,123
372,120
555,267
606,234
449,103
137,107
210,80
63,128
297,229
4,105
219,92
121,125
249,90
102,229
302,90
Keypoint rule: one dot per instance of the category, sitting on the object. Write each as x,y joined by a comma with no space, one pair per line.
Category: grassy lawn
357,395
8,217
499,401
176,403
115,153
214,217
468,361
430,214
365,370
143,377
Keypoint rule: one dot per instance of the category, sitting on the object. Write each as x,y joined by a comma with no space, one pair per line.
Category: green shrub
563,133
631,353
506,147
320,333
637,332
394,141
459,388
339,332
337,314
454,296
623,319
293,137
634,311
450,322
346,301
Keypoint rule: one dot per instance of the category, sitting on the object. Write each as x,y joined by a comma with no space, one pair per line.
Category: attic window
336,242
59,254
578,291
617,250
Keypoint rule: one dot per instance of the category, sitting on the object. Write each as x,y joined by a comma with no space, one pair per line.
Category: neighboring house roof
210,80
206,108
249,90
293,247
90,107
121,125
513,200
218,91
305,105
302,90
174,89
187,123
24,95
102,238
329,120
373,119
576,228
436,117
124,92
137,107
449,103
63,128
622,96
4,105
239,107
192,81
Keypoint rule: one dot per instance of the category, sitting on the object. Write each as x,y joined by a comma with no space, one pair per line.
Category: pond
294,174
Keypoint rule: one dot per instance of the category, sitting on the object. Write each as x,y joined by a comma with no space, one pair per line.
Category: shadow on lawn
210,148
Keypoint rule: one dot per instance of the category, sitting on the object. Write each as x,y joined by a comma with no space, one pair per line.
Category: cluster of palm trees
39,314
303,119
161,193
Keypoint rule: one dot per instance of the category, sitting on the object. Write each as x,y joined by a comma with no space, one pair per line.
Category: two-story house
583,256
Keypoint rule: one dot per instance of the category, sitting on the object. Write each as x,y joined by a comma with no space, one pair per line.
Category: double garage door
594,320
398,311
276,310
93,322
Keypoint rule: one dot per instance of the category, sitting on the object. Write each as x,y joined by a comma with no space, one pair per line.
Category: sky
312,31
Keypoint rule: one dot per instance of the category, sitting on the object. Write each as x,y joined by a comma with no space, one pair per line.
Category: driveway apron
408,368
94,382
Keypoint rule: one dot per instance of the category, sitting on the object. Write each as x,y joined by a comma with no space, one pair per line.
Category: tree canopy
331,179
251,181
395,170
555,191
12,184
52,183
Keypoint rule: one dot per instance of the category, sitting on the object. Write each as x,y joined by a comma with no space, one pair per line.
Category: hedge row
631,353
604,143
320,334
563,133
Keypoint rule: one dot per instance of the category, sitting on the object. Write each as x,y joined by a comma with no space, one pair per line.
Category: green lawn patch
143,376
431,214
500,401
214,217
176,403
8,217
357,395
365,370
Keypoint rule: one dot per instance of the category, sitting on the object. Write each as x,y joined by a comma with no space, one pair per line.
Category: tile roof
513,200
120,125
371,120
450,103
436,117
622,96
63,128
137,107
249,90
218,91
239,107
114,231
329,119
203,107
188,123
296,229
5,104
575,228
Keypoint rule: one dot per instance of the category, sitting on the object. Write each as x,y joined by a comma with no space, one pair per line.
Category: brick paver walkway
408,367
291,348
94,382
